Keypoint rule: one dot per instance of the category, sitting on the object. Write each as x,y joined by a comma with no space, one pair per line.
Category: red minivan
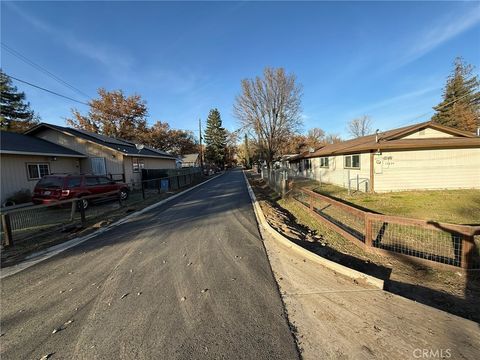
53,188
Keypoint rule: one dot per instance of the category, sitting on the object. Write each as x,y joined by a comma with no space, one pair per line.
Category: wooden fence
433,242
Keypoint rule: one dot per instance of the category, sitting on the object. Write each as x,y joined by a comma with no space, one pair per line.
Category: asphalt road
189,280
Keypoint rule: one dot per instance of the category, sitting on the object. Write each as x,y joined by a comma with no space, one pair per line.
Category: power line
49,91
438,108
42,69
75,100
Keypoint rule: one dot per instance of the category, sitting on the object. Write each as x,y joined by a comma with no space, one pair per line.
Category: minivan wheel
82,203
123,194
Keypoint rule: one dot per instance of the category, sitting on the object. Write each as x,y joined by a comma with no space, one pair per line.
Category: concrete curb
263,225
43,255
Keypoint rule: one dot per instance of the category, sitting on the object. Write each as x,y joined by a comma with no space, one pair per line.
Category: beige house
117,158
421,156
25,159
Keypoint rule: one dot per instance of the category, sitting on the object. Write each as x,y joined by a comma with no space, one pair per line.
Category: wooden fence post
467,251
368,231
7,230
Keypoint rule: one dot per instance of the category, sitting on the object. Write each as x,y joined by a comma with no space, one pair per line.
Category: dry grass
451,206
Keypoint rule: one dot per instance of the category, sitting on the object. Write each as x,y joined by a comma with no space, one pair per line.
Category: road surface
187,280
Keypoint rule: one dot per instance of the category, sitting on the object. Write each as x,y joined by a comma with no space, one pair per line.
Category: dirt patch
452,291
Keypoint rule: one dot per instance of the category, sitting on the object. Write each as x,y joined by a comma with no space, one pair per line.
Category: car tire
123,194
83,203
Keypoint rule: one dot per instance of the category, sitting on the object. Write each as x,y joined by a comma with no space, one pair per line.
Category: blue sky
385,59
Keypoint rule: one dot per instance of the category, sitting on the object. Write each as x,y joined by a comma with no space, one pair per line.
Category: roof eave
15,152
150,156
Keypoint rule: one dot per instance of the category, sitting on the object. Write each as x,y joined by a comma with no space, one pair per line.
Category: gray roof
13,143
124,146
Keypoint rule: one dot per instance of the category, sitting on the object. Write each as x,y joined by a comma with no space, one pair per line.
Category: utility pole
247,153
200,136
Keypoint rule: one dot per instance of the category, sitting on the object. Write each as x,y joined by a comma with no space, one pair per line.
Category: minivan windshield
50,182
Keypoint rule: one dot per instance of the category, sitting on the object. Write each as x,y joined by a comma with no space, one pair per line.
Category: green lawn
452,206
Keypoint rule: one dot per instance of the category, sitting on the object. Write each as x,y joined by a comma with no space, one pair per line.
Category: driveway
188,280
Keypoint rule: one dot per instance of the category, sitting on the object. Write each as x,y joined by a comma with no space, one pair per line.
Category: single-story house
25,159
421,156
191,160
103,155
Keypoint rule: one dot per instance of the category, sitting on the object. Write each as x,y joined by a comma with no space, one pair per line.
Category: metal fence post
349,191
178,182
143,190
7,230
158,186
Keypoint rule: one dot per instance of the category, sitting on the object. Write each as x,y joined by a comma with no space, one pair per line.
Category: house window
324,162
308,164
138,164
37,171
352,162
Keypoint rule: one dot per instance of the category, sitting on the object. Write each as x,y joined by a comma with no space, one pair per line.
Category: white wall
338,175
113,159
427,169
150,163
427,134
13,171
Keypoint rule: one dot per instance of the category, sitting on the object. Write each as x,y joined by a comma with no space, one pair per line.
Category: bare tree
360,126
315,138
333,139
271,107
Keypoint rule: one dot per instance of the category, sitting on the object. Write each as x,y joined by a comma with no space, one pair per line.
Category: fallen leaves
63,327
47,356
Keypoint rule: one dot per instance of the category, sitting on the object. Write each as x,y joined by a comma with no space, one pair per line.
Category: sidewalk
335,318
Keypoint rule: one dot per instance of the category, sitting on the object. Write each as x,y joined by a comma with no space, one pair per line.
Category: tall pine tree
460,107
15,113
215,139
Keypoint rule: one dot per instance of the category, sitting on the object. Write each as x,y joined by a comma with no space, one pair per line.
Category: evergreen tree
215,139
15,113
460,107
